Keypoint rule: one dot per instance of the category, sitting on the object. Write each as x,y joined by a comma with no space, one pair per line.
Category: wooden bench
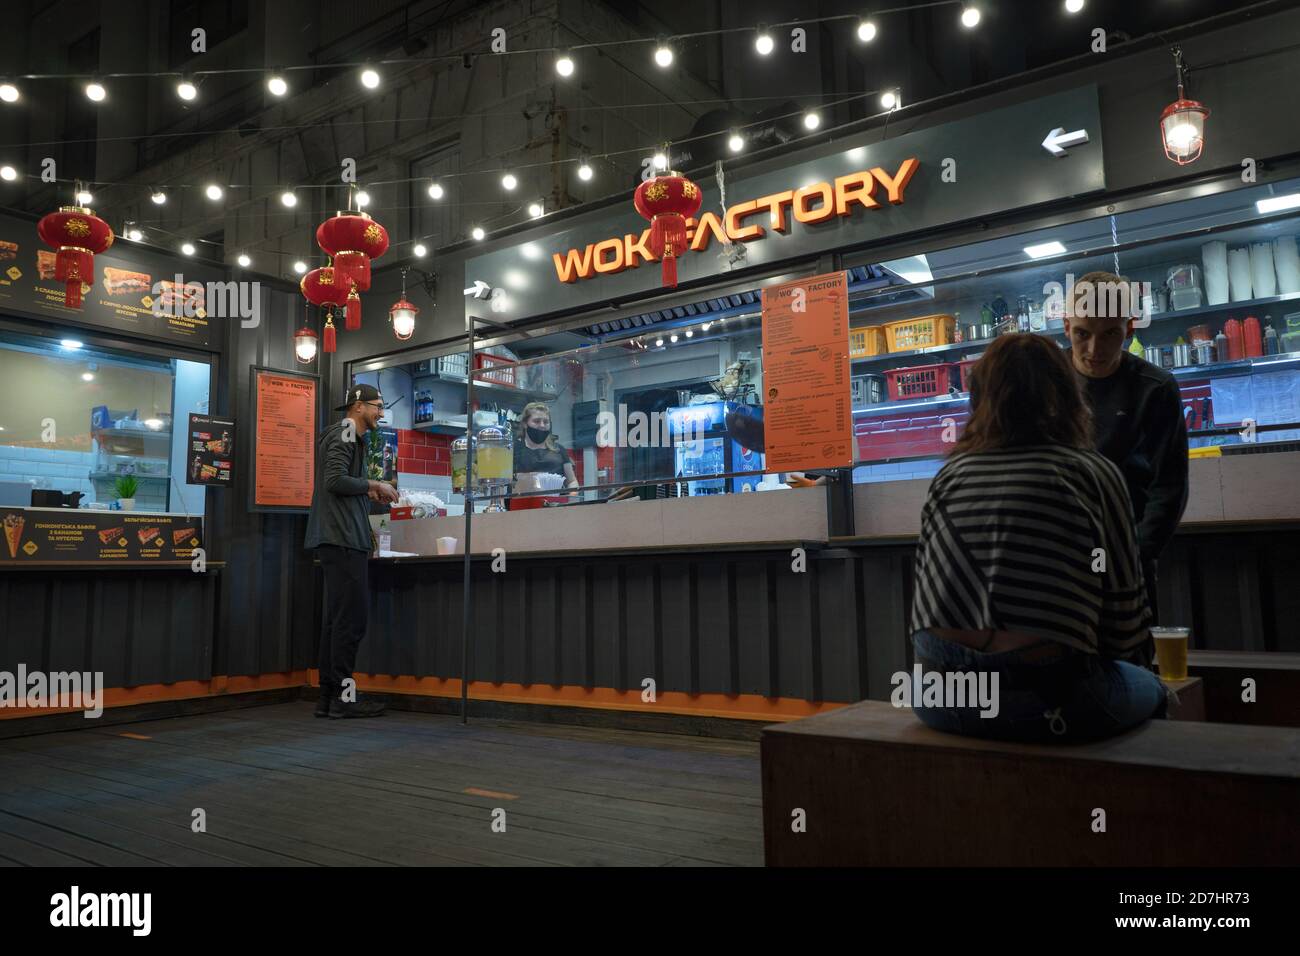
1277,686
878,788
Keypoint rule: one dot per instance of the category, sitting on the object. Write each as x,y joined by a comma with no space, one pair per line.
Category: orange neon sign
745,222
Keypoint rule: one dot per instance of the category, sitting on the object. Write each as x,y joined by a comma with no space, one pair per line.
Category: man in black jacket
1137,410
339,529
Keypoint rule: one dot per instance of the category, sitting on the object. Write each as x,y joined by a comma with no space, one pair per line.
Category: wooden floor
281,788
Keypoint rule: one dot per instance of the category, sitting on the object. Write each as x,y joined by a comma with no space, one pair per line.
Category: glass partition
82,425
1216,279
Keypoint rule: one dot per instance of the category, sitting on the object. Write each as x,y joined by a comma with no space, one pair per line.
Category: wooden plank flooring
281,788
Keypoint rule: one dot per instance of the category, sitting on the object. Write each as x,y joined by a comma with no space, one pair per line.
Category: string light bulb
8,173
735,142
370,78
811,120
663,55
134,234
509,182
276,85
585,172
564,64
186,89
435,191
84,197
1073,6
287,198
158,197
536,210
866,31
187,248
300,267
478,233
890,99
970,16
362,198
419,250
213,192
660,161
244,261
8,92
95,91
763,41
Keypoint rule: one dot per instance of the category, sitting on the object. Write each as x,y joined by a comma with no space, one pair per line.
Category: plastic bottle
1220,348
1254,338
1271,346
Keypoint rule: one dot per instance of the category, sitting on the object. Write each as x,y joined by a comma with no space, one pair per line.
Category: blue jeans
1063,698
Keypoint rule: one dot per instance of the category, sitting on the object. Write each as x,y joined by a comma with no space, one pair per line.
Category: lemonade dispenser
494,462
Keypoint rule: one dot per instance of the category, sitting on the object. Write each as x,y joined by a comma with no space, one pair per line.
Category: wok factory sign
836,195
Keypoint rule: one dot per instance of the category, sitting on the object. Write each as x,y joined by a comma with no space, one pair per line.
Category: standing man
339,529
1137,411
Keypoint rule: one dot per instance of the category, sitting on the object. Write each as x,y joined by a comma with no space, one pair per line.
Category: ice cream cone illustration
14,532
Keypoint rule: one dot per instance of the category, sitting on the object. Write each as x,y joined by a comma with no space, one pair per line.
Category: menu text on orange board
814,203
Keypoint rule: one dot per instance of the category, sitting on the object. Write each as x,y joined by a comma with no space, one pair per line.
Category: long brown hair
1023,391
551,442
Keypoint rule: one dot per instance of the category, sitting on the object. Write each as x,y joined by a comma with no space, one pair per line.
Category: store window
1223,316
83,425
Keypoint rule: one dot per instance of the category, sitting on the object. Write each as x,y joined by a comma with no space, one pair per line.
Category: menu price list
285,459
808,409
212,447
42,536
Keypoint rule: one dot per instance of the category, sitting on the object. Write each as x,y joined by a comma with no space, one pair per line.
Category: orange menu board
808,413
284,448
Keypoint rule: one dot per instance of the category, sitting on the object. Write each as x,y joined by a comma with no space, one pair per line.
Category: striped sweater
1010,539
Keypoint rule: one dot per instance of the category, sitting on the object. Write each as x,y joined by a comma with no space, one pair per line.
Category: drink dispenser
459,460
494,462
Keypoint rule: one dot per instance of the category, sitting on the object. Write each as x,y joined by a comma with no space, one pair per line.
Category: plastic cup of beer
1171,652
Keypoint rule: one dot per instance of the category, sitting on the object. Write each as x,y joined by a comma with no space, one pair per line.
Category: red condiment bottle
1254,337
1236,341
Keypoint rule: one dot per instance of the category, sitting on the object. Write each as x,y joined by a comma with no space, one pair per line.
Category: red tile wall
423,453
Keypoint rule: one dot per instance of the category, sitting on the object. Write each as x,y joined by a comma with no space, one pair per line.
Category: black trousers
347,607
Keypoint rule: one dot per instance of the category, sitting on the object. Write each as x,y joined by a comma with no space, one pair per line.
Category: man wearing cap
339,529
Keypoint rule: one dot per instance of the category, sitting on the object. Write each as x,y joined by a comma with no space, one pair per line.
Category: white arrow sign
1058,140
479,289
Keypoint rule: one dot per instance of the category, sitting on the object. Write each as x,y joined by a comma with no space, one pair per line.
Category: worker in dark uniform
1137,412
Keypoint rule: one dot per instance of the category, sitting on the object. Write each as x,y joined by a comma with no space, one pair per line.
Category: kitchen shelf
939,349
448,428
1246,305
116,475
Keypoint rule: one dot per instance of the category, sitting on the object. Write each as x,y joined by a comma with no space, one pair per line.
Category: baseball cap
359,393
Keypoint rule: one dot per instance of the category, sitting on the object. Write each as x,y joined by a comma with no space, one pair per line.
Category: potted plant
125,488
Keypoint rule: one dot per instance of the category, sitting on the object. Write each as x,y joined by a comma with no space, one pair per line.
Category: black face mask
538,435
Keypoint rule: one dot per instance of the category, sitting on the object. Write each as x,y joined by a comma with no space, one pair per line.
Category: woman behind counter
536,448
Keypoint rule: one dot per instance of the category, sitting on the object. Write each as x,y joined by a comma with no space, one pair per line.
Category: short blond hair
1101,295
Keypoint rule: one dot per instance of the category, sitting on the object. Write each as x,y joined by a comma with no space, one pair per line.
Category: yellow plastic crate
866,342
920,333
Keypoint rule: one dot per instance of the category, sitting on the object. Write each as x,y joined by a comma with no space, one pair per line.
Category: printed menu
284,449
211,451
136,290
46,535
808,417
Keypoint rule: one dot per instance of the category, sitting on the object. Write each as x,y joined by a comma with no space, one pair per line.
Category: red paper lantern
668,201
353,239
77,234
323,287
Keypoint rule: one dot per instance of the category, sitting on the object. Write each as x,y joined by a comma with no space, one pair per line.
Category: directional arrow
479,290
1058,140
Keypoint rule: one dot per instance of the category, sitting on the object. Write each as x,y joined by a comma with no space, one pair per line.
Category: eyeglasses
379,405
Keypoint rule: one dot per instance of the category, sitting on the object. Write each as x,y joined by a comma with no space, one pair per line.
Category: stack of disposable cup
1239,274
1263,281
1214,259
1287,259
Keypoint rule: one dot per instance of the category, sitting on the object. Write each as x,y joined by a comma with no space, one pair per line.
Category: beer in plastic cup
1171,652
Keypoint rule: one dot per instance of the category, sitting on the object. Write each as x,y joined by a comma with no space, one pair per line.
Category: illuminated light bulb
564,64
420,250
866,31
689,333
663,55
186,89
764,43
811,120
585,172
889,99
735,142
478,233
673,337
158,197
88,377
435,191
508,181
970,17
135,235
244,261
659,343
660,161
8,173
96,92
287,198
300,267
188,248
362,198
277,85
213,192
536,210
369,78
8,93
85,198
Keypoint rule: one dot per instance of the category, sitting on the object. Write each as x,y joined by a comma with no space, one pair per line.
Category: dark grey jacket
340,508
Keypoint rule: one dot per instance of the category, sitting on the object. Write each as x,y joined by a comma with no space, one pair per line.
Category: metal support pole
467,612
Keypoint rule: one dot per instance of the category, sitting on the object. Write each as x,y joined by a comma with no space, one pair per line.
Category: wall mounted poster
808,411
39,536
284,439
210,459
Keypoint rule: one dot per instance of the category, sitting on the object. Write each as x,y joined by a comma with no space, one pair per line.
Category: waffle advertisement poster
54,535
211,456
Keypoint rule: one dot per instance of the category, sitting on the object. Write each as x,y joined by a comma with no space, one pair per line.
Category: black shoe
323,704
361,708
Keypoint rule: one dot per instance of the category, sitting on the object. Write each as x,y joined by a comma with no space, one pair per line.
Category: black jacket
1138,412
340,508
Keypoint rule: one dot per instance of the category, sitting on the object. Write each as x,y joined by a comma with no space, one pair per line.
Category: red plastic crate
964,366
918,381
501,371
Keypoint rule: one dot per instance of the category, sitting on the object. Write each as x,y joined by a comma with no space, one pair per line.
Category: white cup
446,545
